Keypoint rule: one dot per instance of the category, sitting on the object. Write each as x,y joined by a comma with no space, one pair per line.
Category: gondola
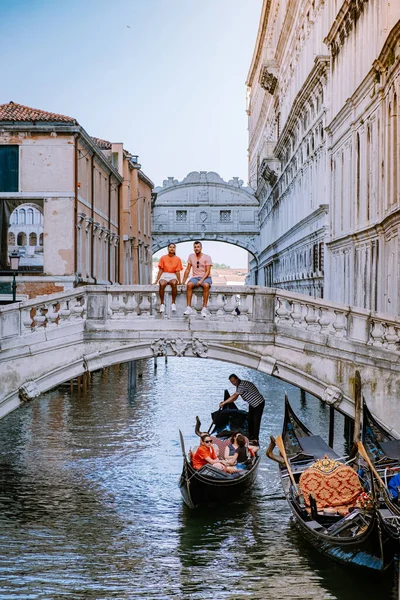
328,499
210,485
381,451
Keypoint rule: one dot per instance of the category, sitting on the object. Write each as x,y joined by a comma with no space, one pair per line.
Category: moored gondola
328,499
210,485
381,450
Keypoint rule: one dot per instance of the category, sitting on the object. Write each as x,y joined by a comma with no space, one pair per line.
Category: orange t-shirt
170,264
199,457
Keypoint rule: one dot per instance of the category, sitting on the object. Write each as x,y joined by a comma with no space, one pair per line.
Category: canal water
90,506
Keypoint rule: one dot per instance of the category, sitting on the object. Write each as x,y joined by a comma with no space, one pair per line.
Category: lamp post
14,264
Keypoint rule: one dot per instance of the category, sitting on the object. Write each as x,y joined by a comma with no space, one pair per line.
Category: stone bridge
311,343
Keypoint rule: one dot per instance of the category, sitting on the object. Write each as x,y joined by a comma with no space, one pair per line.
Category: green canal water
90,506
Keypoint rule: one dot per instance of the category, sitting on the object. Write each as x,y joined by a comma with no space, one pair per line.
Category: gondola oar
281,447
363,453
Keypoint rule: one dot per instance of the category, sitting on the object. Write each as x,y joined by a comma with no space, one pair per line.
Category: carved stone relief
28,391
332,396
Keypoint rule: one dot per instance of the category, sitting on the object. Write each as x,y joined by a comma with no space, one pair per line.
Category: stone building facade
323,91
81,186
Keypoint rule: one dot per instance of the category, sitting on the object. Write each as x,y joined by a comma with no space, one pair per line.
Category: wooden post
302,398
71,386
357,407
139,368
331,425
132,374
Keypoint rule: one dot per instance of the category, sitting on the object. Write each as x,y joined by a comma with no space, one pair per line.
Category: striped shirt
250,393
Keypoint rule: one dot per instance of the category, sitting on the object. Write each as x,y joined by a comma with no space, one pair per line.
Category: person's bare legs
174,290
189,293
161,289
206,293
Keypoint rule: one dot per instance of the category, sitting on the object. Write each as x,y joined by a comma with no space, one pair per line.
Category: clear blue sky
165,77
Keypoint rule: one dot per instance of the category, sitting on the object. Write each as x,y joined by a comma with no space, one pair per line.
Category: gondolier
250,394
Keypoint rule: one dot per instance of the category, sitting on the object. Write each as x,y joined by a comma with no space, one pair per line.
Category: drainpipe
76,208
92,215
117,271
109,228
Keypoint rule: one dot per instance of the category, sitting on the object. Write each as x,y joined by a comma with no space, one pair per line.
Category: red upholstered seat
332,484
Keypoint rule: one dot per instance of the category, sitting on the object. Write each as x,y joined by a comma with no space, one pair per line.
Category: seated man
169,273
200,264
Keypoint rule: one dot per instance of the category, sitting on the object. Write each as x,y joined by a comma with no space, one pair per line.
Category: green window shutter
9,166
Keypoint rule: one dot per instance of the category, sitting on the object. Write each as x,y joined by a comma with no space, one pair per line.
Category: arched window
21,239
41,239
29,216
32,239
14,218
22,216
11,239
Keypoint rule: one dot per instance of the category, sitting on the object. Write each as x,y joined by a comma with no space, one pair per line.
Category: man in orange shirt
169,273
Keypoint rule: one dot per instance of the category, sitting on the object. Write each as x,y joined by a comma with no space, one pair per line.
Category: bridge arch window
32,239
181,216
225,216
21,239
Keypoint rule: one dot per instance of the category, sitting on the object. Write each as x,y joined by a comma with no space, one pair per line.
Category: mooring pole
331,425
357,407
302,398
132,373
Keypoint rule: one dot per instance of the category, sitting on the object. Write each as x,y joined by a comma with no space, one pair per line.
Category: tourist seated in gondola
241,456
232,447
206,454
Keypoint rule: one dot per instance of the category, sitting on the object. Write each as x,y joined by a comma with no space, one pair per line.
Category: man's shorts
197,279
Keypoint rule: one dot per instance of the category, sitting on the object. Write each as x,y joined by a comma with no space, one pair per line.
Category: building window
225,216
9,166
32,239
181,216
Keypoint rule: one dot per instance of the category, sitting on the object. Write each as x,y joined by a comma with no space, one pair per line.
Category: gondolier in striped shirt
250,394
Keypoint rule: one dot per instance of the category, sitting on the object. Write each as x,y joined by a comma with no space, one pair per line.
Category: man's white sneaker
173,307
204,312
188,311
162,308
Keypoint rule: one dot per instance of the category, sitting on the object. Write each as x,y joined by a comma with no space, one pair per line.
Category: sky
165,77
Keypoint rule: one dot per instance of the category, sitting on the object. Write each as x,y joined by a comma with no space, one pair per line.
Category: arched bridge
203,206
311,343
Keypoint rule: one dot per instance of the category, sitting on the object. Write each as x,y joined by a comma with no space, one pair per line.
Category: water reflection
90,507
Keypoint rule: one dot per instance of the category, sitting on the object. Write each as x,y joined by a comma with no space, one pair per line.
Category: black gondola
383,451
210,485
348,534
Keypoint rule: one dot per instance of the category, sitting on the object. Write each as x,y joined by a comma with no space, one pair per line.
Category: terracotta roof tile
18,113
103,144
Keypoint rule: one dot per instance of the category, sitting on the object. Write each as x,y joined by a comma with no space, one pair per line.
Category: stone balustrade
228,304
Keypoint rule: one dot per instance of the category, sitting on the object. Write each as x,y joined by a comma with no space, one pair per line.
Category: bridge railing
230,304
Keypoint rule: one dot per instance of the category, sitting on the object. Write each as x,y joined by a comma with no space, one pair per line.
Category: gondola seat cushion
332,484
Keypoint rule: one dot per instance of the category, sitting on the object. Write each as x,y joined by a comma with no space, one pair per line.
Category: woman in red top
205,453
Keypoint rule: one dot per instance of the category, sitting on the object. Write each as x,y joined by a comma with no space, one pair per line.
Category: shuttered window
9,164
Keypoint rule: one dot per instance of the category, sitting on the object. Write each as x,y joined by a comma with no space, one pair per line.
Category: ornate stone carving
199,347
268,81
159,347
179,346
332,396
28,391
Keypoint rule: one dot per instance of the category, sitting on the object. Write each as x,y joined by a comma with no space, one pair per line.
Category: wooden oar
362,451
281,447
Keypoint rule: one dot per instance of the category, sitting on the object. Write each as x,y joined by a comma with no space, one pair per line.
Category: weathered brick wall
39,288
